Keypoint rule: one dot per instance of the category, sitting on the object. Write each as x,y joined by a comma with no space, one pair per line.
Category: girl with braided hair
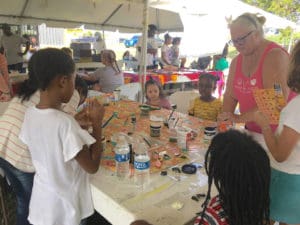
109,77
240,170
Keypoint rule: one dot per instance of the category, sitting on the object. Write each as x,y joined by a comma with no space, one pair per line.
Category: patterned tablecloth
173,155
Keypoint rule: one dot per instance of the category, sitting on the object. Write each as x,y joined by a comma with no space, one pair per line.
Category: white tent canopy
205,24
225,8
124,15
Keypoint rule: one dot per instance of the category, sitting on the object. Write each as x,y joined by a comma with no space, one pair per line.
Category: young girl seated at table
109,77
155,95
62,160
239,168
206,107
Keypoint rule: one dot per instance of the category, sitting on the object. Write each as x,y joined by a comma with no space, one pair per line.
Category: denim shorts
285,197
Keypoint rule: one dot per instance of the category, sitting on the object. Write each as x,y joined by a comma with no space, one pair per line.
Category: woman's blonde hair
111,57
251,19
294,69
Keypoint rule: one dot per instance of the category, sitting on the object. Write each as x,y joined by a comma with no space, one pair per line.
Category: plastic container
182,138
122,156
141,166
172,130
209,133
155,130
117,94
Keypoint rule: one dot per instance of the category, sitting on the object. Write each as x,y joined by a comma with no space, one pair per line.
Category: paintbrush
114,115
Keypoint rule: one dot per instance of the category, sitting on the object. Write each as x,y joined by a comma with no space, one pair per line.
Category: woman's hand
225,116
260,119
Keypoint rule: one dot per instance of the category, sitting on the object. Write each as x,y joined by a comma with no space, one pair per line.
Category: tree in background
289,9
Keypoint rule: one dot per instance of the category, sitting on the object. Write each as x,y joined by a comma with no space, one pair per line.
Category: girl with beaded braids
240,170
284,146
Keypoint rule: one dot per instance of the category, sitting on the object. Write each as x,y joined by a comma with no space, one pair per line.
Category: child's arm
89,158
280,146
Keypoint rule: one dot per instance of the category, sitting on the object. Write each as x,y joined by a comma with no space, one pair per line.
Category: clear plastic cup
182,138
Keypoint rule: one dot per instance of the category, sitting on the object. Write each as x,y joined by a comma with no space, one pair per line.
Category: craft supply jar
145,109
209,133
117,95
155,130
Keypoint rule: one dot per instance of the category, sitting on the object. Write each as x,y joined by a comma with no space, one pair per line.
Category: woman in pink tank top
260,64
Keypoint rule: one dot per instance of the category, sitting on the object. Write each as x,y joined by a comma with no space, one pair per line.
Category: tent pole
143,62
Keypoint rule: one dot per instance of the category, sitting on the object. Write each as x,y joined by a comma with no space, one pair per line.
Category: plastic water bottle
141,166
122,157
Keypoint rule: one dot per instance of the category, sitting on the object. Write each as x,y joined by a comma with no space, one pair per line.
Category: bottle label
122,157
141,165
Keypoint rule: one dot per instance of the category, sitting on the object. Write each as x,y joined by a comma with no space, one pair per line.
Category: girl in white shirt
166,52
284,146
62,152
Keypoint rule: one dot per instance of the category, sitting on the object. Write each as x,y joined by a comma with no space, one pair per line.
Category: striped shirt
214,214
12,148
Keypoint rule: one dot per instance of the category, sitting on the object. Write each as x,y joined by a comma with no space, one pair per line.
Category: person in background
220,61
206,107
166,52
175,61
109,77
129,60
260,64
5,94
155,95
152,46
60,162
203,62
240,170
12,45
18,167
284,147
99,45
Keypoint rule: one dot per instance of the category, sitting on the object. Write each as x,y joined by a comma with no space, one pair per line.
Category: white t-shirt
99,46
12,45
168,52
151,44
108,79
12,149
289,117
61,191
